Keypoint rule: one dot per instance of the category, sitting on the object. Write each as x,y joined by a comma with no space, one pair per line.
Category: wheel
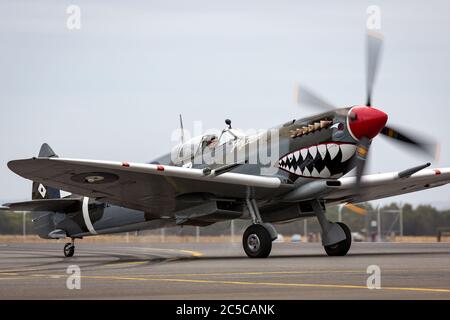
257,242
340,248
69,249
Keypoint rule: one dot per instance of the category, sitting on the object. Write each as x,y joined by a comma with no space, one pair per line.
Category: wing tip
17,165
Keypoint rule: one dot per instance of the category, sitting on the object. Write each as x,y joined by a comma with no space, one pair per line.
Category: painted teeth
322,148
348,150
325,173
313,151
306,172
315,173
333,150
292,161
304,153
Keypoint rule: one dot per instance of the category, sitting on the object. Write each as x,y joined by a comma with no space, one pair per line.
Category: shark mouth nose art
326,160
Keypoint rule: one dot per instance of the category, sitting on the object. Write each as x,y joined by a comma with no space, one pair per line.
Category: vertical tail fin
39,190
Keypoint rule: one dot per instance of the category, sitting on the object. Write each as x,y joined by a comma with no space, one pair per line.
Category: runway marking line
9,274
18,278
277,284
250,283
251,273
193,253
190,252
201,274
261,273
228,282
231,273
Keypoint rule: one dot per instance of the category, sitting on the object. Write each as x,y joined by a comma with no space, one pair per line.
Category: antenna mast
182,128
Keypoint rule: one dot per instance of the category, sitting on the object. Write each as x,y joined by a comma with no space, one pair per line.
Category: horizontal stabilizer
55,205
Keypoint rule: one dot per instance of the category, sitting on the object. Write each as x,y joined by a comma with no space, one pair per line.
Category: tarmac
222,271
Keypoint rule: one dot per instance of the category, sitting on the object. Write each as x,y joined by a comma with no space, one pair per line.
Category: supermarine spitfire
313,158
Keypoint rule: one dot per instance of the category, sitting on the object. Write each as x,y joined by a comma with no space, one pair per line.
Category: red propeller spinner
365,122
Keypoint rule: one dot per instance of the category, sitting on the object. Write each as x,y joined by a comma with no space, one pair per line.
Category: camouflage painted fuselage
299,151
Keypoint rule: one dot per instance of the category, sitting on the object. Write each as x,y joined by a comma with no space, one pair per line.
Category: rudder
40,191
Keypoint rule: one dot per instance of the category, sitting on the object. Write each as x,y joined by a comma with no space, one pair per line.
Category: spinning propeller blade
305,96
362,152
356,209
429,148
374,44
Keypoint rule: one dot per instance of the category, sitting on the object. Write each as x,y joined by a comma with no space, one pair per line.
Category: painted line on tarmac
262,273
273,284
241,283
251,273
252,283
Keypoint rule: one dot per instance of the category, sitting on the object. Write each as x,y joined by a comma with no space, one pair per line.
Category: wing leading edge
155,188
378,186
146,187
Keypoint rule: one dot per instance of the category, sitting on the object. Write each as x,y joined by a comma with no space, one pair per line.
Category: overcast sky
113,89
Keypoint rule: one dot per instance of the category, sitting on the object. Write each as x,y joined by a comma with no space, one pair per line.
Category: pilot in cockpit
228,135
210,141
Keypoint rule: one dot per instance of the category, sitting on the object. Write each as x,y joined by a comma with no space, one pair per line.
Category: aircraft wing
146,187
385,185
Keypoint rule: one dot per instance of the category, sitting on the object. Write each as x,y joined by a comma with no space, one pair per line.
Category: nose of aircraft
366,122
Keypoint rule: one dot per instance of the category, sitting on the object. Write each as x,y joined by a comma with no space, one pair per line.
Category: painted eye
339,126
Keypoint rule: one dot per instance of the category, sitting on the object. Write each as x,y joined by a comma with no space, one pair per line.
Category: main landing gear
336,237
69,248
341,248
257,239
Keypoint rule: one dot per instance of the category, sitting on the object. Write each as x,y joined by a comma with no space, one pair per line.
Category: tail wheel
69,249
257,242
340,248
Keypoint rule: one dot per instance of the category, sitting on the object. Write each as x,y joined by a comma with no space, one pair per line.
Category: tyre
69,249
340,248
257,242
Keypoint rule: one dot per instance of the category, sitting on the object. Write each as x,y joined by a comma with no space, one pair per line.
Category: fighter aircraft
313,169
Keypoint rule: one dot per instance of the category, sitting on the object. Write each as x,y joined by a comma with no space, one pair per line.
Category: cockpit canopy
205,143
195,146
230,135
